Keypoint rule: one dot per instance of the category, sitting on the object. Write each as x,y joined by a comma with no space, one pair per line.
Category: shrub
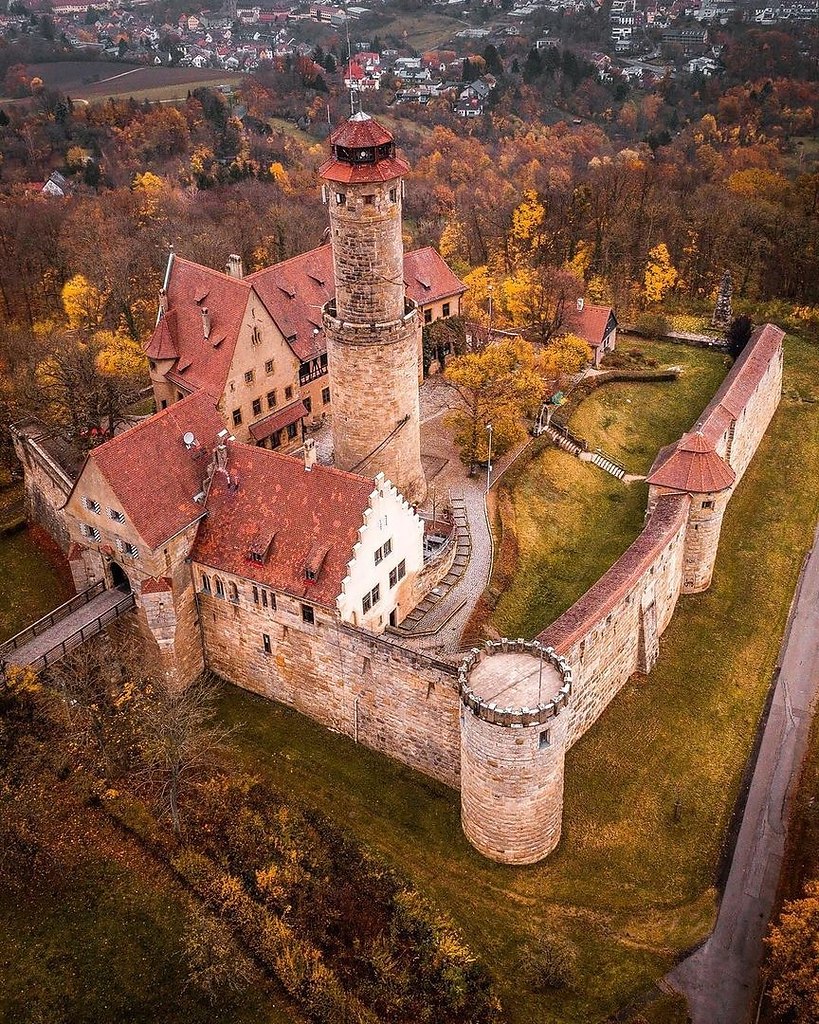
213,959
651,324
549,962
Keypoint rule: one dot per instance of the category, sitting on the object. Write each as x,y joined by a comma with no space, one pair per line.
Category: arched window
233,591
220,587
205,584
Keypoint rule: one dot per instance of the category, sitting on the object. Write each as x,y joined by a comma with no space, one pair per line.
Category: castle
282,575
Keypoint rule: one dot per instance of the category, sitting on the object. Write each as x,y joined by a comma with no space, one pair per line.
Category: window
272,598
544,740
90,505
255,595
255,336
311,575
427,316
292,430
250,376
271,399
393,195
323,361
268,648
233,590
220,587
308,614
264,599
116,515
325,396
205,584
382,552
237,417
276,439
398,573
308,404
371,599
708,504
268,366
164,403
341,199
288,393
257,556
129,549
445,309
257,406
91,532
369,200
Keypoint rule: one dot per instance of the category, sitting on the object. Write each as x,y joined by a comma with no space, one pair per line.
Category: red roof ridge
280,456
210,270
283,263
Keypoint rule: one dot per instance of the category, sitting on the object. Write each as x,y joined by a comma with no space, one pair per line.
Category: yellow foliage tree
151,189
793,959
280,175
477,304
83,303
537,298
453,246
528,228
660,274
564,356
497,385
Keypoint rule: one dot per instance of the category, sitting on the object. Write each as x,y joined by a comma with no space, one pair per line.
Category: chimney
205,323
233,267
309,454
163,302
581,302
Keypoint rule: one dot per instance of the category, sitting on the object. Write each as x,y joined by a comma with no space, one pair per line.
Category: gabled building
596,325
256,343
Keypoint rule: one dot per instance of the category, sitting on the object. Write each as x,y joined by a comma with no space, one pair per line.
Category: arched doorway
119,578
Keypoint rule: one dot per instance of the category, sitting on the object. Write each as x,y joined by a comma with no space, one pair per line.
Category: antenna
349,62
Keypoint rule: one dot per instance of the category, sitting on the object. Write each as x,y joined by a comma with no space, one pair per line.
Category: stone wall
382,695
47,487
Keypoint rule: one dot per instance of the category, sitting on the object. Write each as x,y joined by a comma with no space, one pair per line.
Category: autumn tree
182,745
792,970
660,275
537,300
497,385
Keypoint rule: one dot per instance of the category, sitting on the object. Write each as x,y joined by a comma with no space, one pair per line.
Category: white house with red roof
596,325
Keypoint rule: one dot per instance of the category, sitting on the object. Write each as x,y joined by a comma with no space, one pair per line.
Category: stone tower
723,310
513,748
692,466
372,328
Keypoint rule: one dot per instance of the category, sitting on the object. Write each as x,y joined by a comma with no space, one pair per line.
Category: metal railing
78,637
47,621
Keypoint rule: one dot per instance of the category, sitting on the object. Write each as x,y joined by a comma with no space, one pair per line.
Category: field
421,30
99,80
571,520
632,883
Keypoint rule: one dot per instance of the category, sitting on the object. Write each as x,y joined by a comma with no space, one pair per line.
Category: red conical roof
360,132
363,151
692,465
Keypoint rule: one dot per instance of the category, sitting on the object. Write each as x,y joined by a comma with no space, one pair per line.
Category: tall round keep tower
372,328
513,748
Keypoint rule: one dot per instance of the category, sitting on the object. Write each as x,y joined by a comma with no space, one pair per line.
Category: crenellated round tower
692,466
513,747
372,328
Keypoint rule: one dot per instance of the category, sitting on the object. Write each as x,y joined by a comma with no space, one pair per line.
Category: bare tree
182,744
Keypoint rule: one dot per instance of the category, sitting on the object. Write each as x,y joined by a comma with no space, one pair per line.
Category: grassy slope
573,520
96,939
29,583
629,885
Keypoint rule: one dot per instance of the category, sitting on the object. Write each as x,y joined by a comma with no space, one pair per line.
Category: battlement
365,334
488,710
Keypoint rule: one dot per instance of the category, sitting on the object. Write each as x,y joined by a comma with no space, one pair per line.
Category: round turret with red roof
363,151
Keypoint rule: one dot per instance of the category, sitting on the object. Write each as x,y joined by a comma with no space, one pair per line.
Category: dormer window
116,515
310,575
260,546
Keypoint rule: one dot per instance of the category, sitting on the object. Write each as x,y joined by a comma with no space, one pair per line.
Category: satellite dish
189,439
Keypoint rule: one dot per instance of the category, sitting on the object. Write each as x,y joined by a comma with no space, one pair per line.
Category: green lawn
633,421
572,520
629,885
29,582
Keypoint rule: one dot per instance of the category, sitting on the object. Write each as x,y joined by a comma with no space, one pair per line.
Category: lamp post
491,292
489,460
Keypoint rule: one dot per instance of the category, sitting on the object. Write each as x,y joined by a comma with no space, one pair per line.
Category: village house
596,325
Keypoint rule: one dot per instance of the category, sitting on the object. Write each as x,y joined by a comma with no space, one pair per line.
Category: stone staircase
415,622
564,441
608,464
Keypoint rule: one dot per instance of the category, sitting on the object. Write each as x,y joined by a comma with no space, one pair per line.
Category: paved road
720,979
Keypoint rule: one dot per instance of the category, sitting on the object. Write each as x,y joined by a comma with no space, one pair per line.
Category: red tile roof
359,174
303,511
361,132
157,585
204,363
293,293
151,471
428,278
692,465
669,515
741,382
262,429
590,323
